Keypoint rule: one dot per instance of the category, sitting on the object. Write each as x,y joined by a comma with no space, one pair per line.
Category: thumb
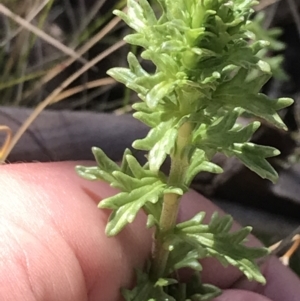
52,240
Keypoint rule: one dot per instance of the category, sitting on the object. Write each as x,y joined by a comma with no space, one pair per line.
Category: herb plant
203,55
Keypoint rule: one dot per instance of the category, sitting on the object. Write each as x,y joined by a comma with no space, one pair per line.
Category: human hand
53,246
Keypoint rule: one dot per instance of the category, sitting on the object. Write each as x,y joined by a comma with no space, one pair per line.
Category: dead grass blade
7,141
55,94
92,84
32,14
41,34
60,67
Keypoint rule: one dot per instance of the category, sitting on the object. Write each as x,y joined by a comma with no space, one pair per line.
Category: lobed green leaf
218,242
127,205
168,289
254,157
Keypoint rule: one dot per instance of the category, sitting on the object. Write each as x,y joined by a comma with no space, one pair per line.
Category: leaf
217,133
137,20
128,183
160,141
135,66
216,240
174,190
229,94
140,188
196,220
194,290
146,290
168,289
137,170
225,131
151,219
165,282
124,165
254,157
103,171
199,162
103,161
90,173
128,205
158,92
123,75
166,64
184,256
161,149
150,119
148,12
225,136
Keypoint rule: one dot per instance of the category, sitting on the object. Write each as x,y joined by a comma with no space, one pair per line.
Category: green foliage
192,103
201,73
215,240
169,289
141,188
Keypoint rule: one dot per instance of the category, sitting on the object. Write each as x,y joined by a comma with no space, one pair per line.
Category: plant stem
179,165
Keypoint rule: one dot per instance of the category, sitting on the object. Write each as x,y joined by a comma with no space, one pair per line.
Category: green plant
201,86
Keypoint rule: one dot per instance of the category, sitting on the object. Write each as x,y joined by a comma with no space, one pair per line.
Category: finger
240,295
282,283
52,240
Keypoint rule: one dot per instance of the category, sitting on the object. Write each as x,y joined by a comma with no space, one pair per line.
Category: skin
53,246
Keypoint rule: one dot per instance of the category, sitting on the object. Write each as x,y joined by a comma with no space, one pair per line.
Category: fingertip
240,295
282,282
52,194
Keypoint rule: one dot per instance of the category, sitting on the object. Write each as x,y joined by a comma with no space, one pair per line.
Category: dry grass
22,81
